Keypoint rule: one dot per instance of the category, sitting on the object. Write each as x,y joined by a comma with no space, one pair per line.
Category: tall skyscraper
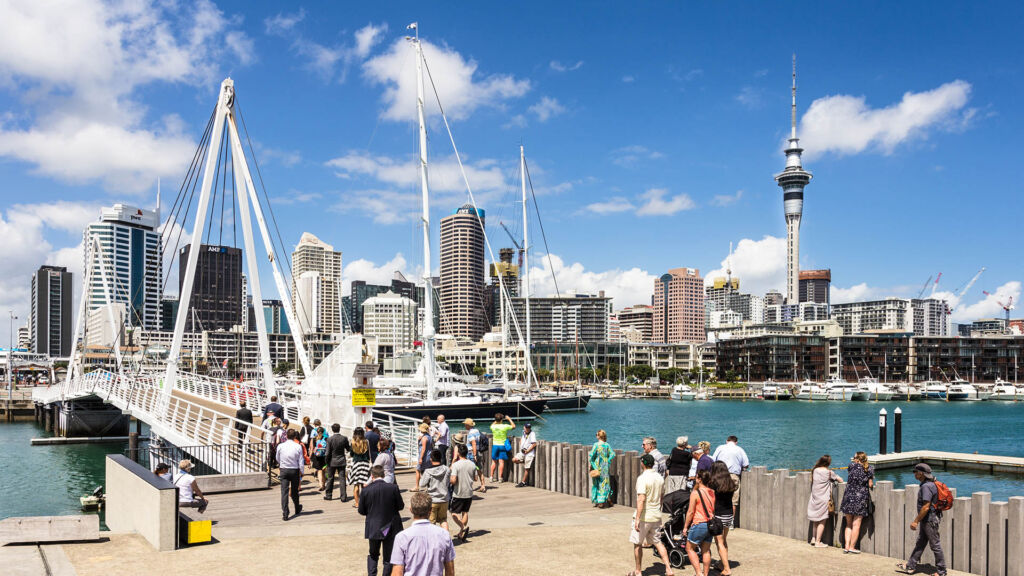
392,319
314,255
462,273
792,181
639,317
359,291
679,306
216,302
308,295
814,286
50,315
131,255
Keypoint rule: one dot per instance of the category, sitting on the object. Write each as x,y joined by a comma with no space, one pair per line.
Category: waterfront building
722,296
320,265
562,356
614,329
308,295
927,317
773,298
503,272
216,302
24,338
462,274
359,291
978,359
984,327
725,319
683,355
639,318
679,306
781,358
391,319
792,180
130,252
582,317
50,312
885,356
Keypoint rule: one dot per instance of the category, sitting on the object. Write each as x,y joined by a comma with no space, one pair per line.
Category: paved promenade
513,531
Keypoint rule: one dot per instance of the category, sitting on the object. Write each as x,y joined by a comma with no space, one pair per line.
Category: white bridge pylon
225,114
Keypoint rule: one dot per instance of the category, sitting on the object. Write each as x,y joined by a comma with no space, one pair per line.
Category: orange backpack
944,497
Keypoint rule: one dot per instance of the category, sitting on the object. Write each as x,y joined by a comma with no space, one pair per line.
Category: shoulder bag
715,526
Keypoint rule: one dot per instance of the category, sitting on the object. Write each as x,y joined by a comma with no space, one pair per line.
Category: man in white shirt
442,439
736,459
527,452
423,549
291,462
647,518
189,494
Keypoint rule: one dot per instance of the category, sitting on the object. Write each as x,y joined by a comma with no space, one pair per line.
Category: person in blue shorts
500,445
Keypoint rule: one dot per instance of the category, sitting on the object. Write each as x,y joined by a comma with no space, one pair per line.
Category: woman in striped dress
358,462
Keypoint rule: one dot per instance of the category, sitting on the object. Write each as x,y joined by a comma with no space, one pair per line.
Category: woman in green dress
600,460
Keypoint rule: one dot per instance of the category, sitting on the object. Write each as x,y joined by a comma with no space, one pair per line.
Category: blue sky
652,132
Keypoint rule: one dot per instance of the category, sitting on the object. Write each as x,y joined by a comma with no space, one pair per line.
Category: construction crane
925,287
936,285
1006,307
960,296
518,246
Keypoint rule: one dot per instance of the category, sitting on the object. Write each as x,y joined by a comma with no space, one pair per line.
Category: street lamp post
10,358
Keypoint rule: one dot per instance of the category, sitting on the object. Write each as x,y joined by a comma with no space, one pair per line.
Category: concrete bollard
997,516
764,497
791,515
910,493
1015,534
961,514
980,502
883,510
897,507
802,494
778,501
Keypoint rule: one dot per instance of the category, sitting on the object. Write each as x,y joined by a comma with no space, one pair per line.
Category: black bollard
881,430
897,430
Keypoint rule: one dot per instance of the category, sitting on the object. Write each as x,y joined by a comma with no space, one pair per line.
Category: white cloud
547,108
858,293
280,24
444,174
517,121
382,206
628,79
298,197
367,37
759,264
461,88
85,122
750,97
847,125
625,286
559,67
371,273
611,206
630,156
727,199
986,307
324,61
656,202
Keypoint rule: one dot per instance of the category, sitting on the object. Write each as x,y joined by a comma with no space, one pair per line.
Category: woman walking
426,444
318,456
821,496
359,463
600,478
857,499
698,539
724,486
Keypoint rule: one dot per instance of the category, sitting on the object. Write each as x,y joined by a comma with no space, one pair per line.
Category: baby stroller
675,504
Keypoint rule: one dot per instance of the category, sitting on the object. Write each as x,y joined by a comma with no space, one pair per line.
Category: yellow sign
364,397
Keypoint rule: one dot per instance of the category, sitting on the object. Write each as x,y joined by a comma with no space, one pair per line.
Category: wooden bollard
979,531
1015,533
897,511
997,516
619,477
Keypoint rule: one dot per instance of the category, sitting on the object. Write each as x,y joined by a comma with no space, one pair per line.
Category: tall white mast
428,304
526,263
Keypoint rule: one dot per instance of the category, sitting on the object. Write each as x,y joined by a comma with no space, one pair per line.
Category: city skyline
630,160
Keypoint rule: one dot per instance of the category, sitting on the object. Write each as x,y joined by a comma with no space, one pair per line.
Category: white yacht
875,389
810,390
772,391
683,392
1004,390
934,390
840,389
908,392
962,390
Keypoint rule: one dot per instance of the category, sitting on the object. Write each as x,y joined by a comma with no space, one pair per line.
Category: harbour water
48,480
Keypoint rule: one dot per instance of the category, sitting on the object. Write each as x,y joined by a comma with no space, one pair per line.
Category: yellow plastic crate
199,532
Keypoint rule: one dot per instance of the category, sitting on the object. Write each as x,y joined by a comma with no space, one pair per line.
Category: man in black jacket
245,415
337,444
380,502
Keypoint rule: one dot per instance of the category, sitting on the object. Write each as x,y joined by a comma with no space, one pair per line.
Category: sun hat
469,422
185,465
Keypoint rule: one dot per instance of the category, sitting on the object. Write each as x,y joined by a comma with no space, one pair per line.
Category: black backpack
483,443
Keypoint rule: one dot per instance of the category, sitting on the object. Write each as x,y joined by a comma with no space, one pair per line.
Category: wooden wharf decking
945,460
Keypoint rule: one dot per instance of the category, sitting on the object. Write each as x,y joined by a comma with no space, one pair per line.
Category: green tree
586,374
543,374
641,372
283,368
479,370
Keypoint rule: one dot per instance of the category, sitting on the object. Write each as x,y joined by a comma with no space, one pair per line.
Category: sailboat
421,395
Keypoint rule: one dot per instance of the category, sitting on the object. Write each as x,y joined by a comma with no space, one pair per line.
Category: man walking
245,415
473,444
650,446
274,408
928,517
292,461
423,549
380,502
436,481
736,459
337,444
647,518
527,452
441,438
463,472
372,439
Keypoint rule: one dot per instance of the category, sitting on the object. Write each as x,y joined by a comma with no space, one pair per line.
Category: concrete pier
949,460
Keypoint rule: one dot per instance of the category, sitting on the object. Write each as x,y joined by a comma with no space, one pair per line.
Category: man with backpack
933,498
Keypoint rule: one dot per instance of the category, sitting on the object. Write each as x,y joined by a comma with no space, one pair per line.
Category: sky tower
792,181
